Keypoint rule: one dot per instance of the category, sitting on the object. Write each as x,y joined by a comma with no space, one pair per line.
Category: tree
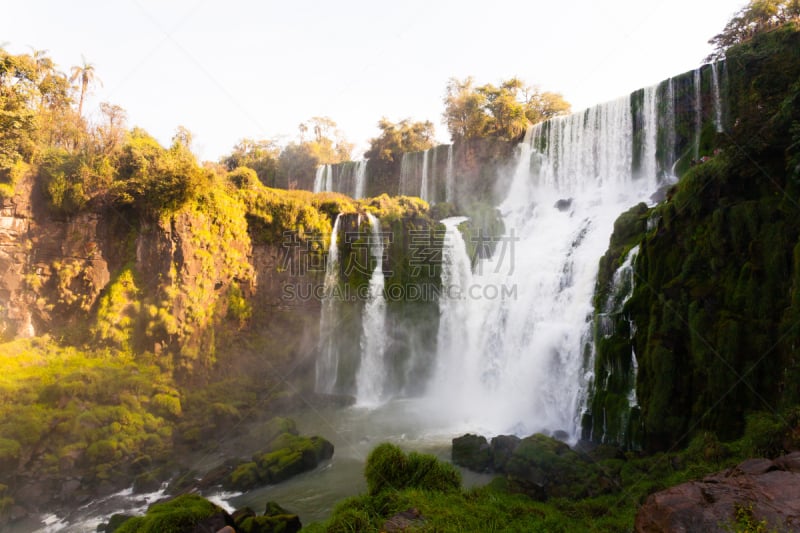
507,111
395,139
503,111
153,179
85,74
327,144
261,156
18,91
111,134
541,106
464,112
755,17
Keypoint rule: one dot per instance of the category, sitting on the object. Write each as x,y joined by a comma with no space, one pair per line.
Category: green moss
175,516
388,467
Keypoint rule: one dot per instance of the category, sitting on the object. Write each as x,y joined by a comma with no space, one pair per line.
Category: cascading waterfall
516,363
361,179
621,290
328,360
649,164
329,178
423,188
717,100
371,374
456,333
319,179
698,111
449,176
669,125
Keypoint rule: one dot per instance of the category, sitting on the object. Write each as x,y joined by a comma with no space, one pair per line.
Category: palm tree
85,73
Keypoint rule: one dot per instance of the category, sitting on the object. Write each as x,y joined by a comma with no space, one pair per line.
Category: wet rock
472,451
501,449
757,491
564,204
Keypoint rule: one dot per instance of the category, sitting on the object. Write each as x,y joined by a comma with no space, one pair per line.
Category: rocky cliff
712,319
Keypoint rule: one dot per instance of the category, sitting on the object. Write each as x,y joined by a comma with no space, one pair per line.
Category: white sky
234,69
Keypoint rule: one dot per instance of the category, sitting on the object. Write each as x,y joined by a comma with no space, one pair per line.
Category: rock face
756,492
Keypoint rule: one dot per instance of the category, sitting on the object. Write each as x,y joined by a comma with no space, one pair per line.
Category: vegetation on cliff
502,112
714,313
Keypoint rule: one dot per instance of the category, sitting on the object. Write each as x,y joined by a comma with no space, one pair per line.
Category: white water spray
328,360
698,111
449,176
515,364
361,179
371,375
717,99
423,188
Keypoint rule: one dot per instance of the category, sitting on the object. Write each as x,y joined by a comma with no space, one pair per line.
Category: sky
257,69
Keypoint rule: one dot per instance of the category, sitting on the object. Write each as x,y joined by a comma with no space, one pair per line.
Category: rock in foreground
757,493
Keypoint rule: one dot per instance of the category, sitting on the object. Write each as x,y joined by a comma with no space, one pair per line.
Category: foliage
756,17
389,468
178,515
715,306
397,138
260,156
502,111
154,179
93,411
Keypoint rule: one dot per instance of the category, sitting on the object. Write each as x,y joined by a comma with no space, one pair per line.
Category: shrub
389,468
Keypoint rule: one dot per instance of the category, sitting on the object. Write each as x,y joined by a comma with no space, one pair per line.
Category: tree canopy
755,17
502,111
396,138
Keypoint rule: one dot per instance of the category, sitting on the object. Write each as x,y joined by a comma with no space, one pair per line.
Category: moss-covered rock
275,519
286,456
184,514
472,451
543,468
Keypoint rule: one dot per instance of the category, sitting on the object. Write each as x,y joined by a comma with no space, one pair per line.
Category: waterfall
622,285
423,188
717,100
455,332
361,179
323,179
671,135
329,178
328,360
620,291
698,111
449,183
649,164
372,370
516,363
319,179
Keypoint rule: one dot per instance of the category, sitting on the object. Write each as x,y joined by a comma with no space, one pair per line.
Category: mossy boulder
287,455
472,451
501,450
543,467
184,514
275,519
